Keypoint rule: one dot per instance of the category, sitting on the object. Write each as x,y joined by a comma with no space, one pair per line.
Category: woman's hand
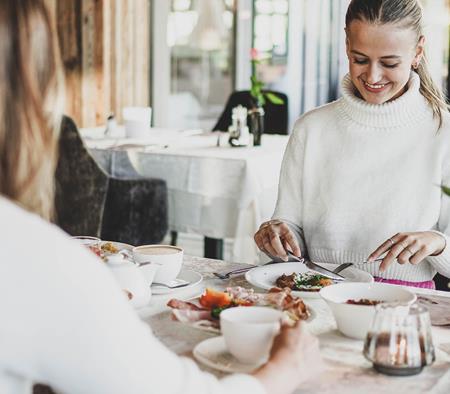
275,237
294,358
409,248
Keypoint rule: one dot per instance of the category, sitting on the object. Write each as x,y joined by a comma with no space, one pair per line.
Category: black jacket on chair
275,119
89,201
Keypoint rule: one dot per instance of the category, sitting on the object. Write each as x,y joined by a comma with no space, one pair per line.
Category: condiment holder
399,342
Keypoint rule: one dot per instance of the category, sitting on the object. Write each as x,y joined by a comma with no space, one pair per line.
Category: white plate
190,276
213,353
120,245
265,276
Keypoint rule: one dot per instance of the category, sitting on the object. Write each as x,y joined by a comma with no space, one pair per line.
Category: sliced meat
184,305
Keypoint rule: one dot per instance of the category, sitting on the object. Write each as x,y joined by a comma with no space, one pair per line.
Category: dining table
346,369
214,190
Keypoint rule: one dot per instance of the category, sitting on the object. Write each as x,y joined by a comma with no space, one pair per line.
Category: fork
343,266
226,275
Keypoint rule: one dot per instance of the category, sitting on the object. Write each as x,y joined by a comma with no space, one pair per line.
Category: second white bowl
355,320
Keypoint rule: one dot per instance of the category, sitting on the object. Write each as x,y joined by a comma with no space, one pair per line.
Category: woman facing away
360,176
65,322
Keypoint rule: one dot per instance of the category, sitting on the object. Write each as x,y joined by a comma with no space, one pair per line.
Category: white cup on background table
137,121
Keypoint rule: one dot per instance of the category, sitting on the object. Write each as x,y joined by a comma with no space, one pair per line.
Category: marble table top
347,371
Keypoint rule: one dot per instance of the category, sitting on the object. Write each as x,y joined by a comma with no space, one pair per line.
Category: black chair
89,201
275,119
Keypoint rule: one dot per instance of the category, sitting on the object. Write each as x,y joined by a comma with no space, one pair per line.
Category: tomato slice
213,299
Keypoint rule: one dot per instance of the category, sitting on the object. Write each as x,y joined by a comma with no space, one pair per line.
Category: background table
347,371
216,191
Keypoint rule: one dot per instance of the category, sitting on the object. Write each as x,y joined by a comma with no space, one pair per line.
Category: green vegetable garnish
215,312
308,279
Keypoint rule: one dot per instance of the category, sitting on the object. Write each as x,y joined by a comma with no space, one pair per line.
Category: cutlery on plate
316,267
343,266
227,275
241,270
173,284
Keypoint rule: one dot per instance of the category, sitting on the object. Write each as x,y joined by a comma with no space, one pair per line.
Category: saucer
190,276
213,353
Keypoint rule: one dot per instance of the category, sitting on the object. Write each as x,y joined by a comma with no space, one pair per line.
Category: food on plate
307,281
212,302
109,248
363,301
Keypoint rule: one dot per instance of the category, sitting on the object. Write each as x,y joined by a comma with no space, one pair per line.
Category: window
200,39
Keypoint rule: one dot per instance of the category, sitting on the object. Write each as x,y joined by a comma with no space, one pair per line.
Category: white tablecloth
347,371
215,191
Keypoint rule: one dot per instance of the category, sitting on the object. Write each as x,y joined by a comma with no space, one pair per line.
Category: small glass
92,243
399,342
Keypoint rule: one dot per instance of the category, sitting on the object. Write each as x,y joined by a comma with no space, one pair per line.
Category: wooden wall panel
105,50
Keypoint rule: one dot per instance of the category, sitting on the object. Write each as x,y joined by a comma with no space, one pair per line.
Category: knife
316,267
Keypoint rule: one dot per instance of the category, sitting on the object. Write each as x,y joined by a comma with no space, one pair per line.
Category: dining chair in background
89,201
275,122
275,118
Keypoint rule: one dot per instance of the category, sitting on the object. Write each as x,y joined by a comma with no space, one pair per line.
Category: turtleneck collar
409,107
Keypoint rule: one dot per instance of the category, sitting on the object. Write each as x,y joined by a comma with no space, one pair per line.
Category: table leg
213,248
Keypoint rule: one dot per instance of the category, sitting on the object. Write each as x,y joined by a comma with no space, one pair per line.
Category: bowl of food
353,304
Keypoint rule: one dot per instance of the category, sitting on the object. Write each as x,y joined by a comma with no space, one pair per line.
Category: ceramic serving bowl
355,320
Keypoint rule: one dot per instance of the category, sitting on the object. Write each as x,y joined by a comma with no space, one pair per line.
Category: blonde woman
65,323
360,177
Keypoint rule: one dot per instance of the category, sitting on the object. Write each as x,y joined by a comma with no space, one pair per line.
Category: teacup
169,258
249,332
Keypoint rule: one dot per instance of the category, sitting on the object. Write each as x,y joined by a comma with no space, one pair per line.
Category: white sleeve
289,202
442,262
66,323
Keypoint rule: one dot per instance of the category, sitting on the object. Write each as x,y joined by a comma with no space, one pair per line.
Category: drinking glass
92,243
399,341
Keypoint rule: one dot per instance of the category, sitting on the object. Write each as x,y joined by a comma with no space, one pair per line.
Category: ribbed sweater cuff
442,261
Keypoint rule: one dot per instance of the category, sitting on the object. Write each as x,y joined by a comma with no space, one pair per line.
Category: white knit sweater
354,174
66,323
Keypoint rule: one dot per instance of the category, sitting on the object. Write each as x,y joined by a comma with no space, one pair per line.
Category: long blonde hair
30,104
407,13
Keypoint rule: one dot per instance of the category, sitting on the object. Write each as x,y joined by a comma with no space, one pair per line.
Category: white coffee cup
137,121
249,332
169,258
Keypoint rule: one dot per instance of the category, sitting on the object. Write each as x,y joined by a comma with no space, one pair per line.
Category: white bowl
249,332
169,258
355,320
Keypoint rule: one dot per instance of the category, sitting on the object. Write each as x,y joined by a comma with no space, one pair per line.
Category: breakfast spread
212,302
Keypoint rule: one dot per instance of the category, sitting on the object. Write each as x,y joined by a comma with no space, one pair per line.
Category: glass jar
399,341
256,116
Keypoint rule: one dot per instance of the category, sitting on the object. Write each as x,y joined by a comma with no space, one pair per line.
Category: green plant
445,190
257,86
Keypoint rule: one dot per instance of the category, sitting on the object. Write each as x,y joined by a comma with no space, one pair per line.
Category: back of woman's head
406,14
30,102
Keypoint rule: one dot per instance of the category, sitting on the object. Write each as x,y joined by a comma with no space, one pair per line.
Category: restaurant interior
178,119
